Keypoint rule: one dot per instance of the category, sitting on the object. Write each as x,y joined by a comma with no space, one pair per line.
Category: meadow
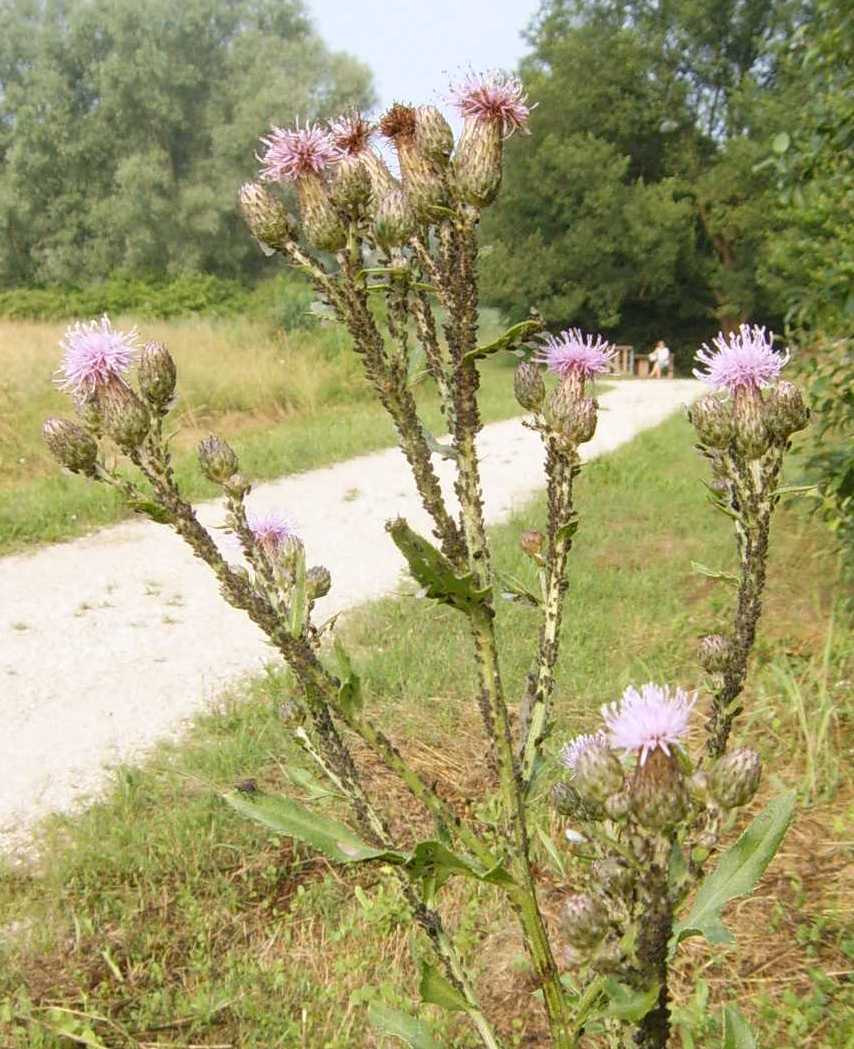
287,401
160,918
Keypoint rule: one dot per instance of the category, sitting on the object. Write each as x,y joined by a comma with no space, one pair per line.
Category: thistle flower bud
237,486
785,411
266,216
712,419
752,436
611,876
618,806
568,802
217,459
532,542
584,921
735,777
394,220
125,417
714,652
422,179
157,375
318,582
433,135
323,227
528,386
659,795
477,163
71,445
350,187
573,417
598,773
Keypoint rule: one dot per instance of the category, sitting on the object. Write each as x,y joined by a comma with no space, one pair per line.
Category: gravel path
111,642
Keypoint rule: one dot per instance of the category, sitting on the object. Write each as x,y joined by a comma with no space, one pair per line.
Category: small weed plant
645,810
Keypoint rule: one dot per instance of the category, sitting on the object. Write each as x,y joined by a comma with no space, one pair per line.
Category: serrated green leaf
285,816
151,510
435,989
737,1032
568,530
400,1025
444,451
711,573
625,1003
350,689
432,858
434,571
512,337
737,873
795,489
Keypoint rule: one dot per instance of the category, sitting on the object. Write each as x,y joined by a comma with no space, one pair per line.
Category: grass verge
157,917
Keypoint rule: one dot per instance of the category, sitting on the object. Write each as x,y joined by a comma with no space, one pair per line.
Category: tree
127,126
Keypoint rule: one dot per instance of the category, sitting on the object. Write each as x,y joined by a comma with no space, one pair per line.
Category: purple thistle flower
649,719
294,152
493,96
572,353
271,531
95,354
742,360
573,750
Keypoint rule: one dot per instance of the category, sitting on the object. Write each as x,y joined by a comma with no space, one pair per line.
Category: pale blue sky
416,47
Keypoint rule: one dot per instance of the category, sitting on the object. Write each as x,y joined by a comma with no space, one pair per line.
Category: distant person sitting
659,359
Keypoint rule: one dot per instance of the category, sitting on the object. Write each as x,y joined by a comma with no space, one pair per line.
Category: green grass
160,918
286,402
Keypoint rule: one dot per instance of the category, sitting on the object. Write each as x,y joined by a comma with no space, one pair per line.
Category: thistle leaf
737,1032
737,873
435,989
511,338
625,1003
400,1025
433,571
711,573
284,816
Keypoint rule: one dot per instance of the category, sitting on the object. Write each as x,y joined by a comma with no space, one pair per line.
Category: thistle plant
644,818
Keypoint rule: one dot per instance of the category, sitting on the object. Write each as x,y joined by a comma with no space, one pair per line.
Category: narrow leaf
350,690
512,337
435,989
625,1003
737,873
737,1032
444,451
433,570
432,858
400,1025
285,816
722,577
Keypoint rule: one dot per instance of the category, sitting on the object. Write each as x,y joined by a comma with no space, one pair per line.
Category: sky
417,47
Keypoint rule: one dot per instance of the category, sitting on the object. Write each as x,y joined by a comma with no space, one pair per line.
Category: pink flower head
271,531
649,719
94,354
294,152
351,133
493,96
573,750
572,353
741,360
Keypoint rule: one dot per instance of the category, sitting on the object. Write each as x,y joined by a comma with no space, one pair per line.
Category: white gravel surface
111,642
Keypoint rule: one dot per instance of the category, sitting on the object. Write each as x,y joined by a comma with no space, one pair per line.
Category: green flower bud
618,806
659,794
752,436
157,375
568,802
573,417
124,416
785,411
477,162
318,582
394,220
433,135
528,386
350,189
267,218
598,773
714,653
735,778
584,921
323,227
612,876
712,419
217,459
71,446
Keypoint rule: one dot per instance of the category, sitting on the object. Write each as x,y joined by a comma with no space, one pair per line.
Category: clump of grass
164,919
